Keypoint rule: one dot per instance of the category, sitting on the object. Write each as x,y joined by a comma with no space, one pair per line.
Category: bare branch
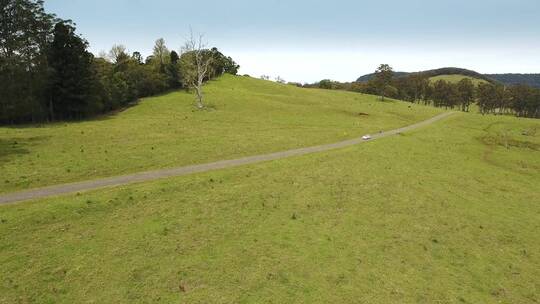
197,63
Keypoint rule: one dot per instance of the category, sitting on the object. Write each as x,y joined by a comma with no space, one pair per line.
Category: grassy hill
443,214
457,78
251,116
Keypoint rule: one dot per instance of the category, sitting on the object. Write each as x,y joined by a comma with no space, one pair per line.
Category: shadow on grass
10,147
351,113
98,117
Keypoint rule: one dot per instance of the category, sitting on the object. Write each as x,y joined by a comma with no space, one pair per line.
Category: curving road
16,197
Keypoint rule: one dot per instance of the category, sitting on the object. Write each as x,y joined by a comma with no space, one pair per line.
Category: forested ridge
48,74
490,96
532,80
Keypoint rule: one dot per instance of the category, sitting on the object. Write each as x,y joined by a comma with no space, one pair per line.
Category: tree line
48,74
491,98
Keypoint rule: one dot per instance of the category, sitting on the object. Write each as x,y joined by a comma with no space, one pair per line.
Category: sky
310,40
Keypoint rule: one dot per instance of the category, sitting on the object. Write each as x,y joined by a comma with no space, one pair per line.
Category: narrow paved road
31,194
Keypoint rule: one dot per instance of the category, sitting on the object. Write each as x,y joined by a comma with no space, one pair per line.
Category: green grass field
249,117
457,78
445,214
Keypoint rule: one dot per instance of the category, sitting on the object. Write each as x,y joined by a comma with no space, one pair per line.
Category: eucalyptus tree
25,31
465,88
71,78
383,78
118,53
161,54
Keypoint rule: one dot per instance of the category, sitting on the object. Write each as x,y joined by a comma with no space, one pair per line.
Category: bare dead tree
161,52
195,62
117,53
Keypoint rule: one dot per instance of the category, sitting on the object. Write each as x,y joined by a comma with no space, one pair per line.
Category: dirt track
38,193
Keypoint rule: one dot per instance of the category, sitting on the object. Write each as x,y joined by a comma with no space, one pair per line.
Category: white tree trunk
201,67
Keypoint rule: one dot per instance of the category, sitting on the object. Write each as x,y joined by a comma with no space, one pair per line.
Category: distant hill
508,79
433,73
529,79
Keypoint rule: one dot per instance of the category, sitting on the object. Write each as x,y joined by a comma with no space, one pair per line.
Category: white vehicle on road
366,137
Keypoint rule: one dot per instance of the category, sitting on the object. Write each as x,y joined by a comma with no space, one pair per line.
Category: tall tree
161,54
442,94
72,78
383,78
25,30
137,57
172,70
521,95
221,64
487,97
419,84
118,54
465,89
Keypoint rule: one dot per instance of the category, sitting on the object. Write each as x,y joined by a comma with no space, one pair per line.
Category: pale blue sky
307,41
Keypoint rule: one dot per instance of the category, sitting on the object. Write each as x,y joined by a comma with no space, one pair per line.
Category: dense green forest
48,74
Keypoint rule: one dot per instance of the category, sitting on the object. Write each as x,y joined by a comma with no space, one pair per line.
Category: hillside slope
457,78
246,117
